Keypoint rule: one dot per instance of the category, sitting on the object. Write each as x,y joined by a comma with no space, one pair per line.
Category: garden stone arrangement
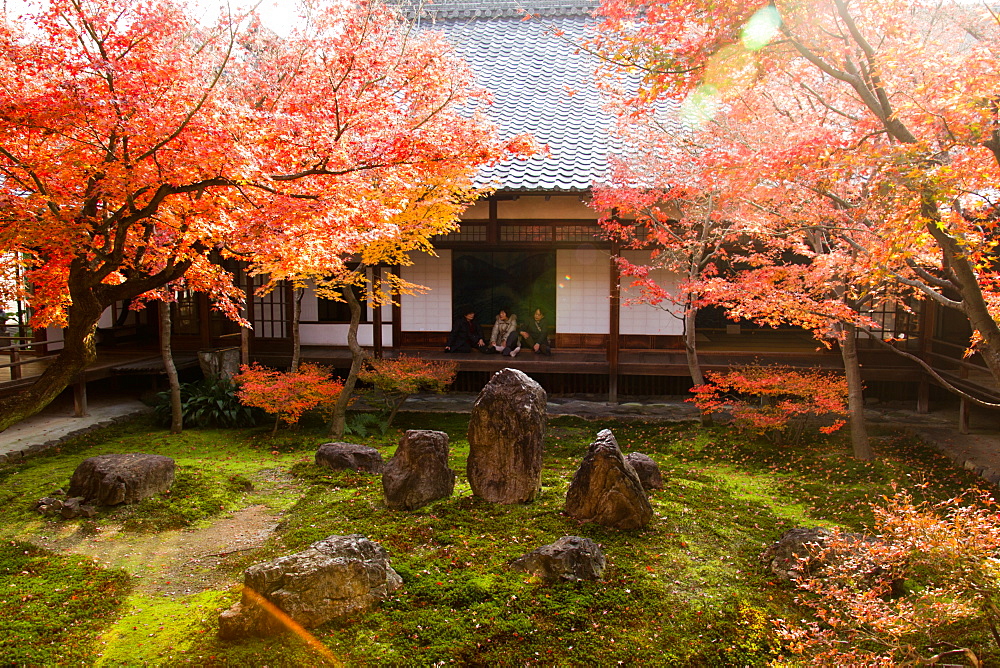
332,579
418,473
606,489
506,435
339,456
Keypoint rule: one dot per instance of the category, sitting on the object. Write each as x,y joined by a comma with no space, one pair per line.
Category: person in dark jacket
465,335
536,334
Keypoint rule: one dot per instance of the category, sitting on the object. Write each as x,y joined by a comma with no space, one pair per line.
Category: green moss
53,607
686,590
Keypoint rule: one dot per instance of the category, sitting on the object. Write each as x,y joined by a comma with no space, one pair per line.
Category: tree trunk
691,352
855,394
78,352
395,409
89,297
339,418
176,415
296,336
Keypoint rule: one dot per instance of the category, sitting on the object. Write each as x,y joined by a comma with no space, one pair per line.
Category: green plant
363,424
211,402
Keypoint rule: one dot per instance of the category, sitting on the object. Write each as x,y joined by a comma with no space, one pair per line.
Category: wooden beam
923,396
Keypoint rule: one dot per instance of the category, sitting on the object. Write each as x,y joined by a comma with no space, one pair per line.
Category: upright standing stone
418,473
606,489
506,431
108,480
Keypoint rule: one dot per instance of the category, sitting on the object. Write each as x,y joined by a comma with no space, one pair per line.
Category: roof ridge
493,9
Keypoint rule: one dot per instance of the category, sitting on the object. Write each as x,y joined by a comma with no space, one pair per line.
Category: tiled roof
540,84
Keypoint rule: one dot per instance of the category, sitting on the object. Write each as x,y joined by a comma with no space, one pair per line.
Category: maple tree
864,131
138,146
663,200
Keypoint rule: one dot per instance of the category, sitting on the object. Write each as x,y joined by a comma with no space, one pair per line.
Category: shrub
211,402
775,401
396,379
287,395
937,583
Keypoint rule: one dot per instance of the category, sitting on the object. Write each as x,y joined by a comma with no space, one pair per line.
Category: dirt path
172,563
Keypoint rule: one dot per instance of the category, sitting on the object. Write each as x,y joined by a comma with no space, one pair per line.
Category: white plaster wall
430,311
327,334
665,318
583,279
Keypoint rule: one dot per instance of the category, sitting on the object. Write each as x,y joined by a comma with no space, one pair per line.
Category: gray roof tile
530,70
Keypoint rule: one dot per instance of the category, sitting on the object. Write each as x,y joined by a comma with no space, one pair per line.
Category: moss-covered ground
687,590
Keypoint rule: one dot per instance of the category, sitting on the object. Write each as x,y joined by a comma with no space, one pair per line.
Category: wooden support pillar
246,332
615,327
80,398
377,312
925,330
397,315
963,415
923,396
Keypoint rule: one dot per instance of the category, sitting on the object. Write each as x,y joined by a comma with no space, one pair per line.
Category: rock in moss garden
569,559
606,489
334,578
108,480
506,433
418,473
339,456
647,470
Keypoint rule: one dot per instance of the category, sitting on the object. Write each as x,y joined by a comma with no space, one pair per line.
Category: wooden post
397,315
615,327
245,332
80,398
926,333
963,416
377,312
923,396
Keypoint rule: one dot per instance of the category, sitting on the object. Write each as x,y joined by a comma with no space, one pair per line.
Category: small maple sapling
396,379
924,590
776,401
287,395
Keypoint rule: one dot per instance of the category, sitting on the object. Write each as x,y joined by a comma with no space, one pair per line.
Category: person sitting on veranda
465,335
536,334
504,335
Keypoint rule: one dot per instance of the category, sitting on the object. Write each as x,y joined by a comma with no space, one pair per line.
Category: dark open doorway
519,281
